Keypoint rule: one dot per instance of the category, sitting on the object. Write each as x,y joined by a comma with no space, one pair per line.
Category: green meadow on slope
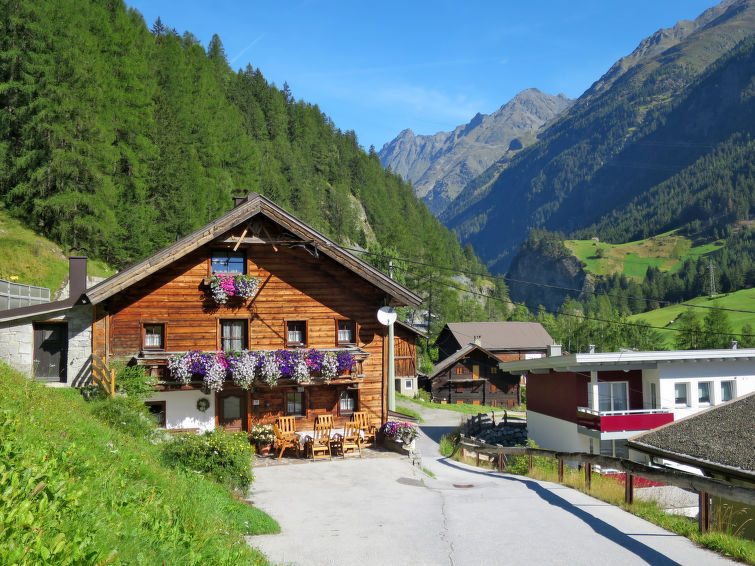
667,252
77,491
667,317
26,257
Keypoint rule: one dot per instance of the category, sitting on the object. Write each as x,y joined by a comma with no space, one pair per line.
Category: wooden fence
103,375
704,486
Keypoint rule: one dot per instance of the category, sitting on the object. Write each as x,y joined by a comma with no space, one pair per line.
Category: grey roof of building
459,354
720,439
502,335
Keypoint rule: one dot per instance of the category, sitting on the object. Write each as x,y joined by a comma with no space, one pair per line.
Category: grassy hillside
26,257
76,491
740,300
666,251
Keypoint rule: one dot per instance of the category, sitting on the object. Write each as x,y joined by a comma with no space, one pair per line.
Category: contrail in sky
248,47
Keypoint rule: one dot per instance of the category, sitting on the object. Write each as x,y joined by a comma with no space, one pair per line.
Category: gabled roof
502,335
255,205
458,355
625,360
719,440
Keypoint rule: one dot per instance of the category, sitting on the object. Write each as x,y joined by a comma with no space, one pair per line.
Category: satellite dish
386,316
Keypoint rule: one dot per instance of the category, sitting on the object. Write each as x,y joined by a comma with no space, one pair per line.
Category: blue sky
377,68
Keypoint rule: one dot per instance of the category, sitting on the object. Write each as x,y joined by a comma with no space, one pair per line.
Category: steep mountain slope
629,155
118,138
440,165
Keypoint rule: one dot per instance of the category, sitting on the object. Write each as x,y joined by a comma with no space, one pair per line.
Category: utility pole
712,268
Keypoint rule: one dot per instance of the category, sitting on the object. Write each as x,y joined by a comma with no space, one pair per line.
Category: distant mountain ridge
664,139
440,165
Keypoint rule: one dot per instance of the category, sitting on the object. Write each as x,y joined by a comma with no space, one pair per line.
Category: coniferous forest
117,137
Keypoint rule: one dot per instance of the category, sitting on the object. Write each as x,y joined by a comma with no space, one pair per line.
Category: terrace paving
380,510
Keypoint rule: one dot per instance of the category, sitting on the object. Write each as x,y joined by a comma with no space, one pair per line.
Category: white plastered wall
181,409
555,434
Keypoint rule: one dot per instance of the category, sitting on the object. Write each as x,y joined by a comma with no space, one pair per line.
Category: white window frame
686,394
408,384
709,384
732,392
613,398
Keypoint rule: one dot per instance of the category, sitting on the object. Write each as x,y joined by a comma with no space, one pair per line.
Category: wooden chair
350,440
320,441
324,420
362,421
287,425
285,440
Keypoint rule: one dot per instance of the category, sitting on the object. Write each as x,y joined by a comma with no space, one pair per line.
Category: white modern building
594,402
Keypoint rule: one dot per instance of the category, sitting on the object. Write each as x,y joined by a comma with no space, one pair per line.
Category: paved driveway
382,511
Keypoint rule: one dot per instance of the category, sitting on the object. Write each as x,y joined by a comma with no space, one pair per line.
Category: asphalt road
383,511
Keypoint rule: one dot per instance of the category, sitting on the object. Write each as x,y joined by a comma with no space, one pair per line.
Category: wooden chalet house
309,303
508,341
471,376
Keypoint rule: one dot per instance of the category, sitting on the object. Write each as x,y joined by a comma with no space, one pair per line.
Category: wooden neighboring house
312,294
506,340
471,376
405,356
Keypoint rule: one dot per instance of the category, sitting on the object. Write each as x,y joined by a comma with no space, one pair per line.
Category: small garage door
50,351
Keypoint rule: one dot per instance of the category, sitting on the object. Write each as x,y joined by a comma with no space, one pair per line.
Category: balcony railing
614,421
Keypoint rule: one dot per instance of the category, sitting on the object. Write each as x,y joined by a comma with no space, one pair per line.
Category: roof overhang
255,205
623,361
708,467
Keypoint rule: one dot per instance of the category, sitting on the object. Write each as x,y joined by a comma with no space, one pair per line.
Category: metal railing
15,295
619,413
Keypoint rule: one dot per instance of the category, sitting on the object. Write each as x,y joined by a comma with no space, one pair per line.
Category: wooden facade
472,376
299,284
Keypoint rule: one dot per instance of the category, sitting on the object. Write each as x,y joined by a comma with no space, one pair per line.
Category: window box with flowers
223,286
267,367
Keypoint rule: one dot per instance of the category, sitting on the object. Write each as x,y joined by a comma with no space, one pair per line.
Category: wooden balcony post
530,462
588,475
629,489
500,461
704,515
560,470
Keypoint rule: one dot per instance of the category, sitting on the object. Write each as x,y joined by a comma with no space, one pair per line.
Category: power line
583,317
546,285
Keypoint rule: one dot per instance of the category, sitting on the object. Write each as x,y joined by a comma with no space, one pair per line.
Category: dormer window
227,261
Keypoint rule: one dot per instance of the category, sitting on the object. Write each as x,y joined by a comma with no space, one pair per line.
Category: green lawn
739,300
464,408
77,491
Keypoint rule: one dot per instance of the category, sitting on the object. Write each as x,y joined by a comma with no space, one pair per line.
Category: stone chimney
239,200
477,340
734,344
553,350
592,348
77,276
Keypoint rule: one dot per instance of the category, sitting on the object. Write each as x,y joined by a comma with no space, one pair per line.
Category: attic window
226,261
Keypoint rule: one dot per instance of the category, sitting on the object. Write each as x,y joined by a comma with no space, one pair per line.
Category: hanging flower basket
265,367
224,286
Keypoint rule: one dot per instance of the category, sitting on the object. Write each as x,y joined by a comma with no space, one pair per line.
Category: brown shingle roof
502,335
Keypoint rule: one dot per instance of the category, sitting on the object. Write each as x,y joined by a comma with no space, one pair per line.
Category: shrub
127,414
132,381
422,395
226,457
449,441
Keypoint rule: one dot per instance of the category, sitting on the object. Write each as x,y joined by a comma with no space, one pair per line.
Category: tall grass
78,491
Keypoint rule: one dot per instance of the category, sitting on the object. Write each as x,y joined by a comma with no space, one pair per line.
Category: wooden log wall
294,285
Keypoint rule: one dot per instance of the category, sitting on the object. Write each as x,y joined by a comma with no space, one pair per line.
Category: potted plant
262,436
400,432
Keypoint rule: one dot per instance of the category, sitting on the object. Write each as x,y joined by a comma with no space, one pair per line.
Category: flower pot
264,449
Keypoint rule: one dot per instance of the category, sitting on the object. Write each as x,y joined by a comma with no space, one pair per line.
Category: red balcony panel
615,423
630,421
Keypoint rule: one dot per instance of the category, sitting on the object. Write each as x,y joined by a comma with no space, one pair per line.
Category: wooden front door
50,351
232,410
